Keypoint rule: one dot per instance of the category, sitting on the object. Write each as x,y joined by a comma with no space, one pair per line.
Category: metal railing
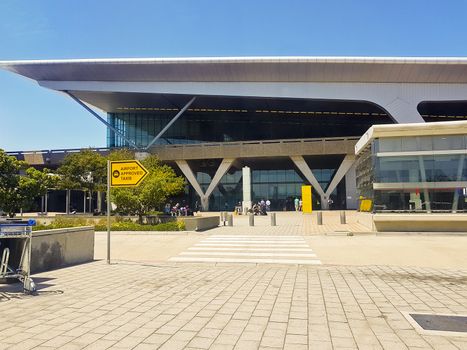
65,151
253,142
58,151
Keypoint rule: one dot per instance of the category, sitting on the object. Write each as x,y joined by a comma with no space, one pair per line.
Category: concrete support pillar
220,172
204,203
67,201
346,164
99,201
324,202
84,202
46,202
246,176
301,164
90,201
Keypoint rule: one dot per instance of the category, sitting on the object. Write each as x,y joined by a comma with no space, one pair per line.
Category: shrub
62,223
118,225
133,226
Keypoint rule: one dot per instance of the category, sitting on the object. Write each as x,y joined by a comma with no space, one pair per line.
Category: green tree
20,184
86,170
161,183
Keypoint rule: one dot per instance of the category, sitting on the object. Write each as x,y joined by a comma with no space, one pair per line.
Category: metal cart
15,252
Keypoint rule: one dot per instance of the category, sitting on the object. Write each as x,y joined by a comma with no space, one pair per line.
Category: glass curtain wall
198,127
426,173
276,180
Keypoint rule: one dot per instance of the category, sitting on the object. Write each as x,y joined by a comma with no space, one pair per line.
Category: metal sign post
108,211
122,173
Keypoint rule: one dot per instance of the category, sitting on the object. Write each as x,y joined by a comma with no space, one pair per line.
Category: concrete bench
52,249
420,222
200,223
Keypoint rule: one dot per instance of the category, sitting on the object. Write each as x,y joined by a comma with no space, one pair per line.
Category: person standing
268,205
296,203
300,204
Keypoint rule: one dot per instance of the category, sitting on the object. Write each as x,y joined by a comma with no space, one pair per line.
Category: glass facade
247,119
273,179
426,173
243,125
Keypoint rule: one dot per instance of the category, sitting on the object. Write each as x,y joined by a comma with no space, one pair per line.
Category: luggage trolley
15,252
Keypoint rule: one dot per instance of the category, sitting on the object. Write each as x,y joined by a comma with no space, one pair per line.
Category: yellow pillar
306,199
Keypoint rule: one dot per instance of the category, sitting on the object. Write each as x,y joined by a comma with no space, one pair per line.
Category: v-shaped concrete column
346,164
301,164
220,172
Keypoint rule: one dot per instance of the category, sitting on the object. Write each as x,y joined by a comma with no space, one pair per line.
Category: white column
99,201
246,178
84,201
67,201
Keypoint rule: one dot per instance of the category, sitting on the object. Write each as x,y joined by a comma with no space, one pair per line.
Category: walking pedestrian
296,203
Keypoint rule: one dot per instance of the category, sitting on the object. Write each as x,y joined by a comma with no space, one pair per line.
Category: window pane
409,143
390,144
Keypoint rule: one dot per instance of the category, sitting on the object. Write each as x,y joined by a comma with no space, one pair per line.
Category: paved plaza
227,306
280,291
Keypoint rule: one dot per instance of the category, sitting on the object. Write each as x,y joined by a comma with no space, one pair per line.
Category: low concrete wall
420,222
200,223
56,248
366,219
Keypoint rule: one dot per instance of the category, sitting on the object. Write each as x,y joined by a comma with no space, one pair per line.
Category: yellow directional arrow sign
126,173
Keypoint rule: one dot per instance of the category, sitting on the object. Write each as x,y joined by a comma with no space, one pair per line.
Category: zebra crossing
250,249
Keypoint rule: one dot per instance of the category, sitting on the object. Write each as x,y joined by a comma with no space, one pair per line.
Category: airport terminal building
290,120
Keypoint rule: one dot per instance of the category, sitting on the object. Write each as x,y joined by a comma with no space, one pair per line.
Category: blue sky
35,118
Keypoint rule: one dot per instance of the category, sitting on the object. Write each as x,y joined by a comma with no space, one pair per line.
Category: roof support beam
301,164
220,172
346,164
101,119
174,119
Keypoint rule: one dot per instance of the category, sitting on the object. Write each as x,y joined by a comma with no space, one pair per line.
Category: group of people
177,209
298,204
261,208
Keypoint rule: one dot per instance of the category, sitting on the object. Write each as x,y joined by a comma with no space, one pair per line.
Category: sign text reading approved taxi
126,173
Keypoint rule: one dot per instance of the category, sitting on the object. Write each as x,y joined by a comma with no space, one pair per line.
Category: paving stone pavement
293,223
231,306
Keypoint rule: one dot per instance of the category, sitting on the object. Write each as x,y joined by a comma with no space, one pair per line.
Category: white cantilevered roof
248,69
411,130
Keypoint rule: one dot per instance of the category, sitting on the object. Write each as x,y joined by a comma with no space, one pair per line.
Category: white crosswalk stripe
250,249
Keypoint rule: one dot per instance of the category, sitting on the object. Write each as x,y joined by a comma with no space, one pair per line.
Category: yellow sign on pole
306,199
126,173
122,173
